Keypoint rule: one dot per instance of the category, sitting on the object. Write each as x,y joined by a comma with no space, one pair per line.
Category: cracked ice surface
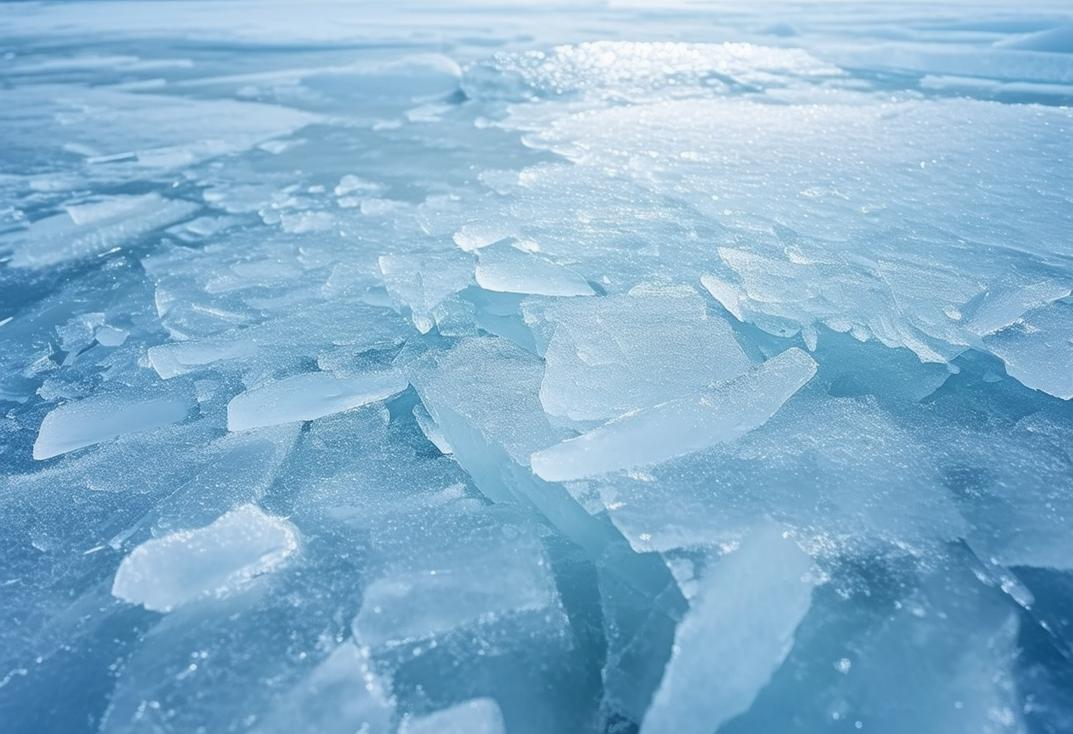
536,369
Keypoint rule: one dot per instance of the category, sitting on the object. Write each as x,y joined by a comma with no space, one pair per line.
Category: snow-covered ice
612,367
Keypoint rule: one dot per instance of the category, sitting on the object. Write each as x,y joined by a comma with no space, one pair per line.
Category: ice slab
1038,349
611,355
510,270
340,696
483,396
860,484
651,435
479,716
308,397
214,560
421,282
737,633
424,595
90,421
90,229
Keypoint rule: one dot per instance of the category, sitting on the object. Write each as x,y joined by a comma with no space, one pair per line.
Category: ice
215,560
479,716
87,422
637,69
737,633
651,435
609,356
408,604
510,270
1053,40
339,696
862,481
597,368
308,397
89,229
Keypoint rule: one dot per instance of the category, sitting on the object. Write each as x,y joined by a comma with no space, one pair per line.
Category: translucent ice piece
737,633
92,228
677,427
478,716
1038,349
505,269
340,696
92,420
307,397
611,355
438,580
214,560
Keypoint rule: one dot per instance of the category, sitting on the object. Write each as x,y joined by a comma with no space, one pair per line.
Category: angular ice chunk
177,358
505,269
838,468
214,560
611,355
1002,307
475,235
307,397
92,420
88,229
340,696
422,281
483,396
652,435
1038,349
477,716
460,569
737,634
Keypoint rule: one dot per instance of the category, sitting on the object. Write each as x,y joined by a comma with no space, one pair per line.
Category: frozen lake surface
536,369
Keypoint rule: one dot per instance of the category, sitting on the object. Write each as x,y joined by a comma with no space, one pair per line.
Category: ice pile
503,370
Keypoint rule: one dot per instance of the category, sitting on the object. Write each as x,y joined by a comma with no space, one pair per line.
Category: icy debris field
529,369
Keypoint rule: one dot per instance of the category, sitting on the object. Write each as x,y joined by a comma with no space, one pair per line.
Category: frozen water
307,397
86,422
610,368
479,716
165,572
609,356
739,631
723,413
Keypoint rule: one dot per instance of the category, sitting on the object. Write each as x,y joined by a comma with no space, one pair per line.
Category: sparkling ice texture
610,367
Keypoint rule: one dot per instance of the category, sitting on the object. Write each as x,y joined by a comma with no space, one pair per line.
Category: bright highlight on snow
503,368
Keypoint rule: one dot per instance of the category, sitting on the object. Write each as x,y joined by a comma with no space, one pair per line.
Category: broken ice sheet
508,269
552,234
